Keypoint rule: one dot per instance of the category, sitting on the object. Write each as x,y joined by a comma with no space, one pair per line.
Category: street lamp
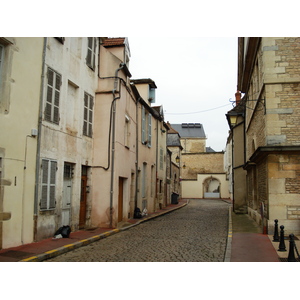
232,118
177,159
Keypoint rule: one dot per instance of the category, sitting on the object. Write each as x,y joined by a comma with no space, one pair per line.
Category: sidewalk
248,244
49,248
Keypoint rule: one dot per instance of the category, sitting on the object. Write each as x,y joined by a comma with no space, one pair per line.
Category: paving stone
195,233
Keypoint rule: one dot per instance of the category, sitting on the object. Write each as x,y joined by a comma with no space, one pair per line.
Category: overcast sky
195,78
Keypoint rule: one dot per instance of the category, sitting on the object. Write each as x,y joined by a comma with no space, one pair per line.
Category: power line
197,112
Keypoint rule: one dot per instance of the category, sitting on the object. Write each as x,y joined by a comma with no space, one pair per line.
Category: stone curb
229,237
66,248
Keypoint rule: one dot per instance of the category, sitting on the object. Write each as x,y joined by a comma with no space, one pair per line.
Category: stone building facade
88,147
268,76
202,169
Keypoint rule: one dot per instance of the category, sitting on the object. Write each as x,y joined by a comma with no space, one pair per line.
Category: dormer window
91,52
146,127
151,95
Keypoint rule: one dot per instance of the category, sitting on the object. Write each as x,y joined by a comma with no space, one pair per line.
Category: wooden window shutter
51,112
88,115
149,129
48,107
48,184
143,125
85,115
44,195
91,105
52,184
56,99
94,53
89,52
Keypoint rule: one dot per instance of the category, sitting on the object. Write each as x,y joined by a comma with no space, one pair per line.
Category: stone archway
211,187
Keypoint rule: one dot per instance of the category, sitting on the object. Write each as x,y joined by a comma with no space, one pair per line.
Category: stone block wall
284,189
201,163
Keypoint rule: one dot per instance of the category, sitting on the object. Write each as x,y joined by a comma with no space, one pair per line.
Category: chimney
237,97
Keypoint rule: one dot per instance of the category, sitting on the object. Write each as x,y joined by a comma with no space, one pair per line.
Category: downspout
156,189
38,154
232,169
136,155
113,142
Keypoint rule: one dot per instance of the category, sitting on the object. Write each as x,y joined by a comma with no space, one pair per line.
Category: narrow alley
194,233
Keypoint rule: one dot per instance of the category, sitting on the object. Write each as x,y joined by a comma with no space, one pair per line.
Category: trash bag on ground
137,213
63,231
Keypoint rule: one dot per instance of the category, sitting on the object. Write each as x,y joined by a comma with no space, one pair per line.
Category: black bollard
281,243
291,257
275,236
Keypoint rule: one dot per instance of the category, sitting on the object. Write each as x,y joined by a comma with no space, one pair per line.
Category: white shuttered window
91,52
52,97
88,115
49,168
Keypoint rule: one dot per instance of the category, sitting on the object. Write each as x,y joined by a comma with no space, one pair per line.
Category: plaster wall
195,189
105,193
18,148
65,142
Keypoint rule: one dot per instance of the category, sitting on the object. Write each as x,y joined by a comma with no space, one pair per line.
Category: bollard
281,243
275,236
291,257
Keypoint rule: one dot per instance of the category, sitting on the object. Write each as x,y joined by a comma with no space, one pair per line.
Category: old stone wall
193,145
202,163
256,132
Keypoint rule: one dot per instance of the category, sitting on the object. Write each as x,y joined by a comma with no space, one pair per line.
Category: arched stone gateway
211,187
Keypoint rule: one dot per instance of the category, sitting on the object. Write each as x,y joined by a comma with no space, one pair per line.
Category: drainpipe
38,154
113,142
136,155
156,182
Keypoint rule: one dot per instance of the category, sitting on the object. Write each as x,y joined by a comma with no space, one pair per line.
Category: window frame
91,52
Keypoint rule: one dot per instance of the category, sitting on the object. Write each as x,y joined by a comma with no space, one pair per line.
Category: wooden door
82,212
120,200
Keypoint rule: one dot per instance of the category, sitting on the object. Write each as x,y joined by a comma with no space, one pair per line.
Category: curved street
195,233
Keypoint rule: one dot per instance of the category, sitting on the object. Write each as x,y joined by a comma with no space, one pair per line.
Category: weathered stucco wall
18,116
196,188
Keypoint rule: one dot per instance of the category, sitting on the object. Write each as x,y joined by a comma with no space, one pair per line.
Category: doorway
211,188
83,197
67,194
120,199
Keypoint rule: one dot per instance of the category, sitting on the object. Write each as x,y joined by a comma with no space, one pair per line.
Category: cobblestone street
194,233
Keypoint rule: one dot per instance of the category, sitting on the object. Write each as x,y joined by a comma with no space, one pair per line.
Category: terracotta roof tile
112,42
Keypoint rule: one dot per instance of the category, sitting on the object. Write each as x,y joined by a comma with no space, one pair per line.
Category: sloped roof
171,129
209,149
190,130
144,80
113,42
173,140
